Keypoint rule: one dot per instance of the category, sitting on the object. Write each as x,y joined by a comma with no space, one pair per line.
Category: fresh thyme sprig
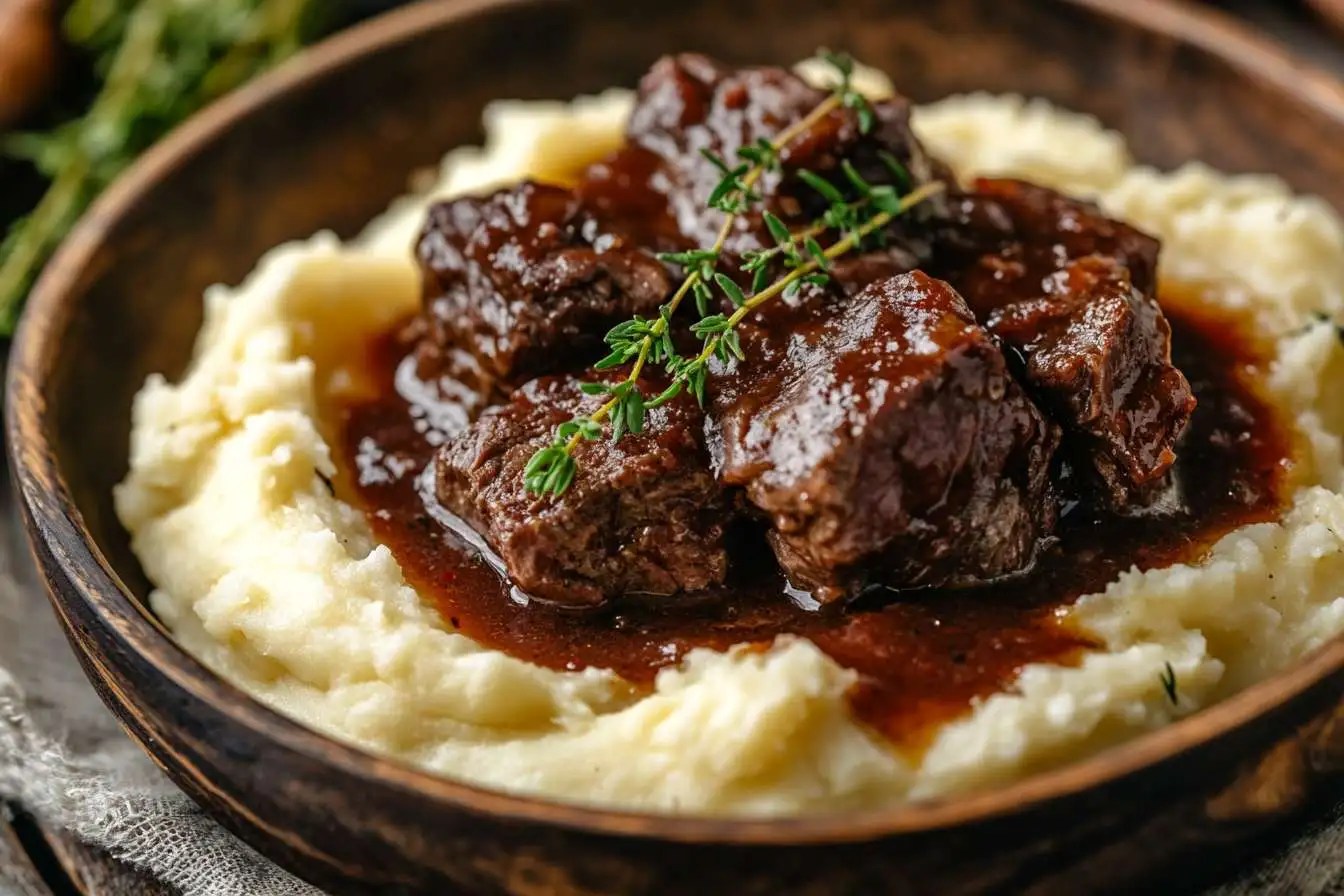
843,64
552,469
156,62
1168,676
719,331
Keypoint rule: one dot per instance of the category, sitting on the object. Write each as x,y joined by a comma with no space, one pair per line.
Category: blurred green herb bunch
97,82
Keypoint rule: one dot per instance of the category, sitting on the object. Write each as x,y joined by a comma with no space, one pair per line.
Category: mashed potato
281,588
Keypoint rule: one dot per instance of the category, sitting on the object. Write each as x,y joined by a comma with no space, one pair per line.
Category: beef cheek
888,443
1038,229
1072,294
528,279
644,514
1097,354
689,104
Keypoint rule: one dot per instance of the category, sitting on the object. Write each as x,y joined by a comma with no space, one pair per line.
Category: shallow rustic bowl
325,143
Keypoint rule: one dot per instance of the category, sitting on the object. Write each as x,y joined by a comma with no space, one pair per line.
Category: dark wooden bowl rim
60,527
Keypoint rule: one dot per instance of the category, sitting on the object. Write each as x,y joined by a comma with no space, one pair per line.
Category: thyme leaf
1168,676
800,256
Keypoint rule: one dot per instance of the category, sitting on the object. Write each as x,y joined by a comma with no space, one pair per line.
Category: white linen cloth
64,759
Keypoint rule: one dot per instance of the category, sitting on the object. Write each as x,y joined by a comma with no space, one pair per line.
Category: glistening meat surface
1072,294
644,516
888,443
885,428
527,279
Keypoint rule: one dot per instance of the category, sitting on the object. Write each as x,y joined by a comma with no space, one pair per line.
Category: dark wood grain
17,868
1297,25
46,861
326,143
1331,10
94,872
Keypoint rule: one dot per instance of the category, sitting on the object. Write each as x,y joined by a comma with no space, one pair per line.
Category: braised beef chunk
1097,354
889,442
885,426
628,186
1037,229
644,514
528,279
689,104
1072,293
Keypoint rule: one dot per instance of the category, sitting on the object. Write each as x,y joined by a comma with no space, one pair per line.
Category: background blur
87,85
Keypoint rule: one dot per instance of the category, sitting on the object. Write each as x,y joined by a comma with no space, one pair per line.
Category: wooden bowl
325,143
1331,10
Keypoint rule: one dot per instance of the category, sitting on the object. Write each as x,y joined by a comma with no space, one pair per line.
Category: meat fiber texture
281,588
647,515
890,440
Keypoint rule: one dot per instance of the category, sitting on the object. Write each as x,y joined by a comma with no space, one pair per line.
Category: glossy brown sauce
922,657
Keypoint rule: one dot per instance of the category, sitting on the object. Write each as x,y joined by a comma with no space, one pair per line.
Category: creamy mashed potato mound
282,589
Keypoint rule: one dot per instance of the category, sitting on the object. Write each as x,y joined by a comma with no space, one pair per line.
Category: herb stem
795,130
601,413
835,250
163,59
799,237
782,139
61,203
552,468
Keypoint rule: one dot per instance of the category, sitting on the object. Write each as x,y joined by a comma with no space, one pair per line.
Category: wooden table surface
49,862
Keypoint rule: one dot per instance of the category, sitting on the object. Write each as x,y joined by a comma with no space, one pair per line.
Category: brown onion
29,46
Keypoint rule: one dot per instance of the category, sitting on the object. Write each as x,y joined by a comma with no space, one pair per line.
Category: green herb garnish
1168,676
157,61
639,342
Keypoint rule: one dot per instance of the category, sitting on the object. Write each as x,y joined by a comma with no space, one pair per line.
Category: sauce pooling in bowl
922,657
